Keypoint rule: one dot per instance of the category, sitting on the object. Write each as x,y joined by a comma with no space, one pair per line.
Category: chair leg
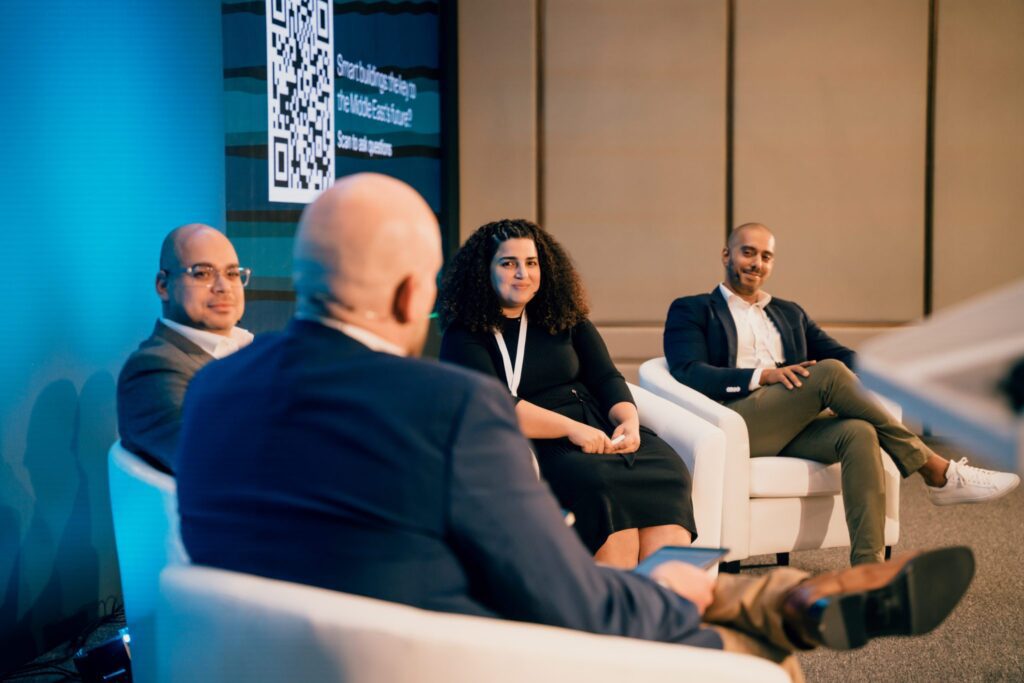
888,552
729,567
782,559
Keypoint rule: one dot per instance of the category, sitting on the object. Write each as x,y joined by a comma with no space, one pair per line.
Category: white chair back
216,625
144,504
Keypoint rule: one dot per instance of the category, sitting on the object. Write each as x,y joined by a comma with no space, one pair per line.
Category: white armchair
144,506
216,625
774,505
702,446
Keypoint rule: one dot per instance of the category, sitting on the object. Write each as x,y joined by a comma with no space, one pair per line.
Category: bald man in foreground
766,359
338,459
201,289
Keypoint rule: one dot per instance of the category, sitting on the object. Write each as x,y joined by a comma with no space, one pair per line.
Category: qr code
300,90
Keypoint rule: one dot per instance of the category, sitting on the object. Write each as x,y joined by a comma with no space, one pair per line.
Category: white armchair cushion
781,477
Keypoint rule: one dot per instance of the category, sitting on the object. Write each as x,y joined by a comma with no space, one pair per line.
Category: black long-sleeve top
569,372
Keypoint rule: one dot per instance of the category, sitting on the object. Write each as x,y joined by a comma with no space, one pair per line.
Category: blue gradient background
112,122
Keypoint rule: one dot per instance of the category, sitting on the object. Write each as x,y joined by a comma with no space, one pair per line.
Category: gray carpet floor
983,639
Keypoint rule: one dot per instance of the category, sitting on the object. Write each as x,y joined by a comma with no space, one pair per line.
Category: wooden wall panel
634,148
831,101
627,165
497,111
979,148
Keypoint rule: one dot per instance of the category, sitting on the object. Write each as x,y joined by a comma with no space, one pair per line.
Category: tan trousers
746,613
787,422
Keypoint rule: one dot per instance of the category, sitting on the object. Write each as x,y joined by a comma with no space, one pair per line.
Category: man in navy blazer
766,359
330,455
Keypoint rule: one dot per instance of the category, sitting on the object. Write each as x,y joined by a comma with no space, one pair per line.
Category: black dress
572,374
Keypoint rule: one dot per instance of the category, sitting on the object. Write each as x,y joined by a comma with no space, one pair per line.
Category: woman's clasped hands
625,438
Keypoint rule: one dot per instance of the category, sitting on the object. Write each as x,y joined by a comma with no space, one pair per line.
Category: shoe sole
995,496
916,600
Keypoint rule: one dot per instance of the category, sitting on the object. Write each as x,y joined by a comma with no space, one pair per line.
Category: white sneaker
966,484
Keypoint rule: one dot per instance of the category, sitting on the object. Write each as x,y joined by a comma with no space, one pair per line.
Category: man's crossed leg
787,421
776,614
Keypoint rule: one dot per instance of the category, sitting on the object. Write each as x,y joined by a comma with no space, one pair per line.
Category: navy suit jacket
700,343
310,458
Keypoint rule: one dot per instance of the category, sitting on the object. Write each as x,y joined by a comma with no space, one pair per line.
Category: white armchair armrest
735,514
702,446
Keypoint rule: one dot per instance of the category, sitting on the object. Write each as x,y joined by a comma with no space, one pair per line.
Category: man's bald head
362,248
171,250
737,235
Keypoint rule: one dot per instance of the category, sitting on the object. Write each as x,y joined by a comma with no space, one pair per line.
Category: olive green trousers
788,422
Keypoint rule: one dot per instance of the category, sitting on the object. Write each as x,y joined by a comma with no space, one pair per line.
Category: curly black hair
467,296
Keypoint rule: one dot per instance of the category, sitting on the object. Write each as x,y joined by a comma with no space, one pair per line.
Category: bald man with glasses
202,289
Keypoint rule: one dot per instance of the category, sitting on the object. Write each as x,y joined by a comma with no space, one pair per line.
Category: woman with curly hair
513,307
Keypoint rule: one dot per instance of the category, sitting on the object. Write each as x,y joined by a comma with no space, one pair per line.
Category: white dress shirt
217,345
758,342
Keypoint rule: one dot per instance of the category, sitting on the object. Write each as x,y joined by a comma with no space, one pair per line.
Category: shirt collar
763,297
360,334
217,345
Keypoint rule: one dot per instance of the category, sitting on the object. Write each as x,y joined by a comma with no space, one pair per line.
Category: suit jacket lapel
785,331
182,343
720,308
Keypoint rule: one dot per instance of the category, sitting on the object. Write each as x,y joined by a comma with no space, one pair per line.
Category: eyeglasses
205,275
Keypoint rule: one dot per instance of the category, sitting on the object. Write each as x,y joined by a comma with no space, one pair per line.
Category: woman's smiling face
515,274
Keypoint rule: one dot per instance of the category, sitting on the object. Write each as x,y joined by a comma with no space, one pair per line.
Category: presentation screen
315,90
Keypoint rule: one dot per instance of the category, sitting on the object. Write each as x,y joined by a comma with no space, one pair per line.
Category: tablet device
701,557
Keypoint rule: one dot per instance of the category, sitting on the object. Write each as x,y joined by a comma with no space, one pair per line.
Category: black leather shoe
907,596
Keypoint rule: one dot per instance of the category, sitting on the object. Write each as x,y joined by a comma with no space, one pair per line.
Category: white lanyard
513,376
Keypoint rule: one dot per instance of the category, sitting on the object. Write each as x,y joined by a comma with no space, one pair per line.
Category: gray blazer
151,391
